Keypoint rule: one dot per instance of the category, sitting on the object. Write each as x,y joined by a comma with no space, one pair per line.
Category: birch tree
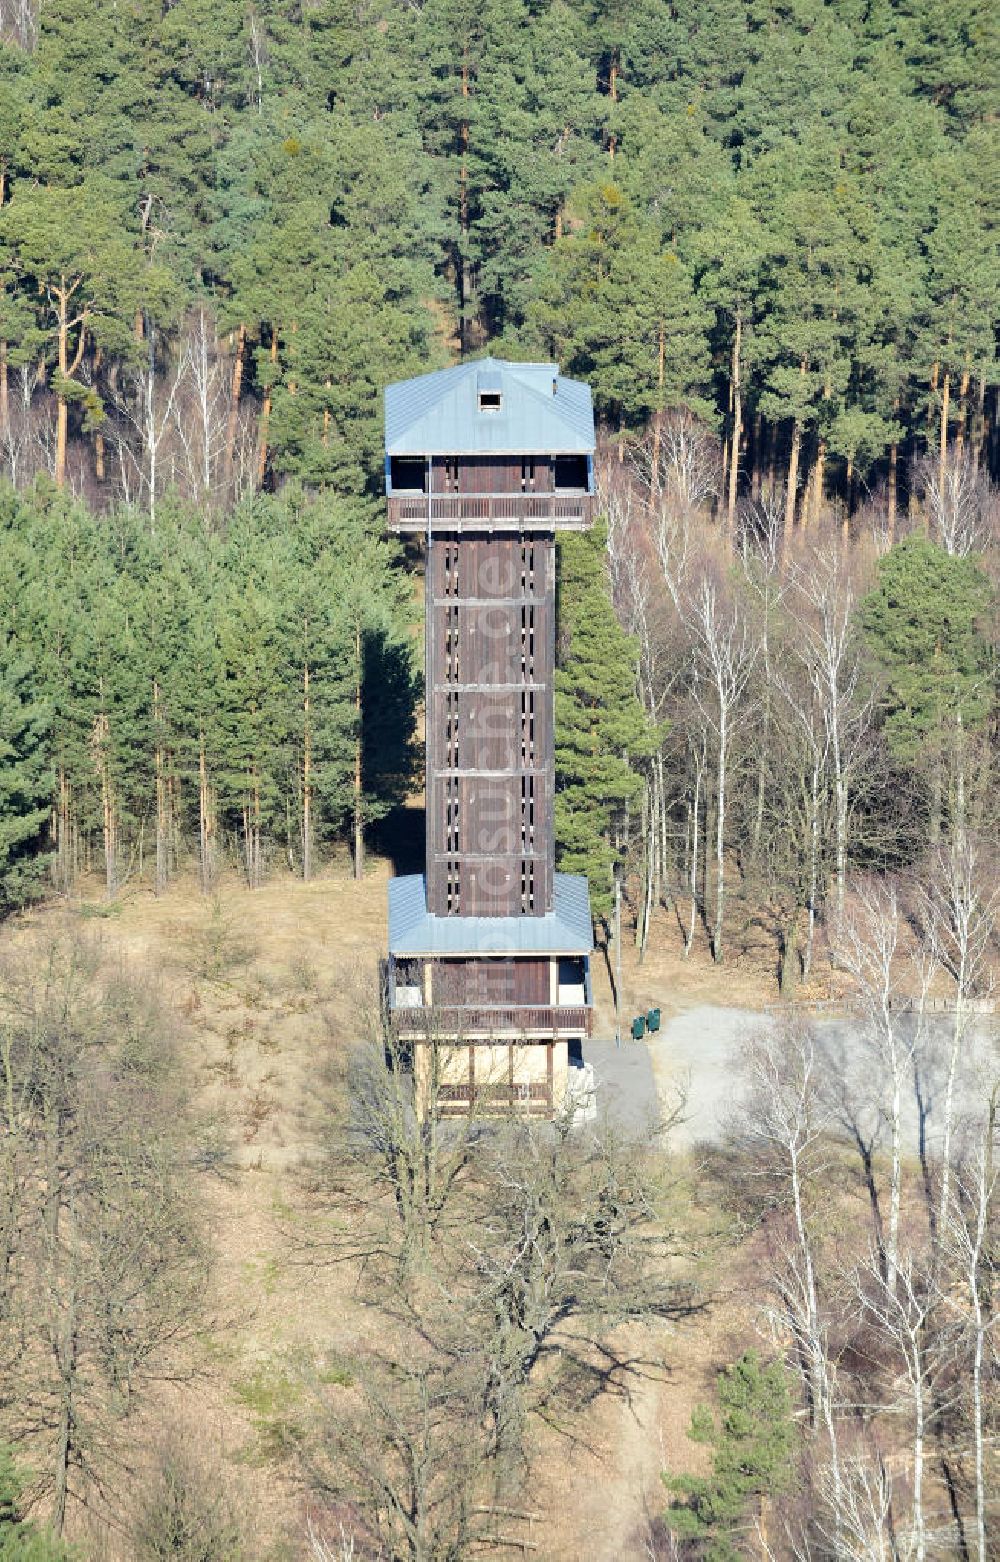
959,902
963,507
870,949
661,665
781,1126
856,1518
148,404
205,420
824,643
811,740
725,654
901,1311
971,1258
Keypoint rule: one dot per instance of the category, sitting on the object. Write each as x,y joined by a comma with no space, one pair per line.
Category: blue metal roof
541,412
566,930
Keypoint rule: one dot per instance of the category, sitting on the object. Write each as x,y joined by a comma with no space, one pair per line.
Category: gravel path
697,1054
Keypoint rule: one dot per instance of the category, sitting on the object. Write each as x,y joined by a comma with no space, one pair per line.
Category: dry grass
265,988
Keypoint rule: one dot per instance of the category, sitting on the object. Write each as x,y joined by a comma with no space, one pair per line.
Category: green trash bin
653,1020
638,1027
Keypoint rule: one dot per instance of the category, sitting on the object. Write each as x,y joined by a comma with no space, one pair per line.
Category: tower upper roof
488,406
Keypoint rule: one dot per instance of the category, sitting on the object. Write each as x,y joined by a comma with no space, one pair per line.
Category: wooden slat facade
492,980
492,475
490,618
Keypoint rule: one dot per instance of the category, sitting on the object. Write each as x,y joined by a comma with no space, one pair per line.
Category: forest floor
266,989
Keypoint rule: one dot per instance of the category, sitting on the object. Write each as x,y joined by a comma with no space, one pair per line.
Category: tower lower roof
566,930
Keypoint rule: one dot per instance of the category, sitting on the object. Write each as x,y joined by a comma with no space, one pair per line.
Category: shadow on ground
400,838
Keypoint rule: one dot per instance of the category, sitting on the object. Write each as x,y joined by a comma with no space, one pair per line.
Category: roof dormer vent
488,390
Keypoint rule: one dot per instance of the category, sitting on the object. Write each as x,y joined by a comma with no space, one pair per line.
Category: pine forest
254,1306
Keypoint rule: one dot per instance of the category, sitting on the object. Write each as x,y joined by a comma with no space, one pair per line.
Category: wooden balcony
492,512
496,1021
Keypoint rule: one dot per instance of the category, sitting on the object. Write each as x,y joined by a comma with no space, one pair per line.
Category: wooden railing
409,512
496,1020
534,1099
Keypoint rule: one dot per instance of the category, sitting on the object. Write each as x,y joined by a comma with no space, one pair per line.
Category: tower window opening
527,642
528,727
451,731
451,569
408,474
527,813
571,474
527,886
452,842
451,646
453,888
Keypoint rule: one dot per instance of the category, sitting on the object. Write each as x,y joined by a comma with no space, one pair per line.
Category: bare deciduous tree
662,663
826,647
19,22
810,743
535,1240
962,505
901,1312
186,1511
147,404
679,464
201,411
760,531
781,1128
395,1163
855,1521
697,746
103,1266
959,902
869,948
970,1255
568,1239
725,655
402,1447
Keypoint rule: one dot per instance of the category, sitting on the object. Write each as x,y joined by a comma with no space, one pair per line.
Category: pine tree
752,1450
332,289
925,624
615,306
74,245
601,730
25,777
816,310
253,715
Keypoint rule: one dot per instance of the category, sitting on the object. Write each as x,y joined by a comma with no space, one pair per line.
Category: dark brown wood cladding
491,980
492,474
491,650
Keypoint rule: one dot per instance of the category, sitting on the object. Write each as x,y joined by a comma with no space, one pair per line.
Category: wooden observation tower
489,950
